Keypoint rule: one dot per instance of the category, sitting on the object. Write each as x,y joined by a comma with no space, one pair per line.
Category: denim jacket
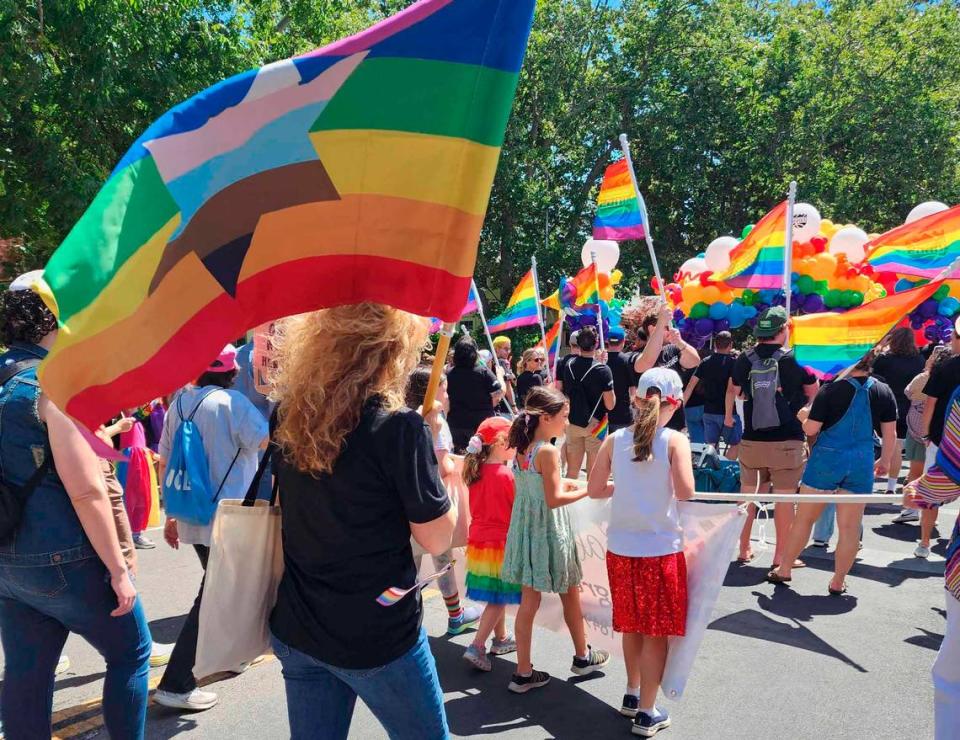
50,532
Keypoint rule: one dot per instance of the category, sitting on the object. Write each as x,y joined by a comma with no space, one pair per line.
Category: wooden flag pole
625,147
443,346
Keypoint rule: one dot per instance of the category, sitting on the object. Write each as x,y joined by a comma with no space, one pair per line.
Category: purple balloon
678,316
946,334
813,303
721,325
931,333
916,322
703,327
928,309
569,294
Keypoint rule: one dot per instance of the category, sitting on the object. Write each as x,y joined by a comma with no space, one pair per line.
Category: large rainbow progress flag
757,261
920,249
618,214
828,343
357,172
521,308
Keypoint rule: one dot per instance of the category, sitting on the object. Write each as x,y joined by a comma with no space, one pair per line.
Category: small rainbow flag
601,429
553,342
472,306
618,210
920,249
828,343
586,283
521,308
393,594
757,261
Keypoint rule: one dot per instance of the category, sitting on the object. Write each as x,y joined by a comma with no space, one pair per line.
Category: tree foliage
725,101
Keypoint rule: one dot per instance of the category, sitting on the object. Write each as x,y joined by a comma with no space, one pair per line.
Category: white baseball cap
26,281
662,379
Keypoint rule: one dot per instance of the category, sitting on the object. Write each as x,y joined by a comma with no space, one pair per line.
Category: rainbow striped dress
491,503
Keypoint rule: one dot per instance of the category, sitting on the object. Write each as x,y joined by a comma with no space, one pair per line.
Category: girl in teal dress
541,553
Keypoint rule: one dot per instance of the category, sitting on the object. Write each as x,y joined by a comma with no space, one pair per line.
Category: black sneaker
595,660
631,705
522,684
646,726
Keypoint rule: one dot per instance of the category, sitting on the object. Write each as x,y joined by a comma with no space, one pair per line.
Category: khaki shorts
778,464
580,441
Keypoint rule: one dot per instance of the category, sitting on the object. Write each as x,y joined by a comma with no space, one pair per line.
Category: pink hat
225,362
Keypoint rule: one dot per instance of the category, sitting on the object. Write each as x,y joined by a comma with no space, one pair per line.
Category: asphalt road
775,663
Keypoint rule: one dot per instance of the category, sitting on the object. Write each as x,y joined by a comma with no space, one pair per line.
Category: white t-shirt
643,515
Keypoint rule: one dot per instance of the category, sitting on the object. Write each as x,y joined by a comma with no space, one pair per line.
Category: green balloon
748,298
806,284
857,298
746,230
821,287
699,311
833,298
846,298
942,292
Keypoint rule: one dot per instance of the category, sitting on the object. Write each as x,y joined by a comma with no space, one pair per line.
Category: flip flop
775,578
796,564
834,592
747,559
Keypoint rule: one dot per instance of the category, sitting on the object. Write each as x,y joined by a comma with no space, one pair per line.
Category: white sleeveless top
643,517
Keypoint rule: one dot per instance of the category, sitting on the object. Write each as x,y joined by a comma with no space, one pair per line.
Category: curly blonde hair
328,364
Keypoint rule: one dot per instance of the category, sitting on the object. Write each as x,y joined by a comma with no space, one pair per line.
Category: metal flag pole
483,319
625,147
596,281
788,253
536,294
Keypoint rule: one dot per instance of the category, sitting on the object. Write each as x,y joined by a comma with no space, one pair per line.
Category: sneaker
142,542
921,552
194,701
522,684
645,725
595,660
501,647
467,620
475,656
63,665
819,543
160,654
907,515
630,705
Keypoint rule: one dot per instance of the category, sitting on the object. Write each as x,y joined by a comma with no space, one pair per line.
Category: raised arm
651,352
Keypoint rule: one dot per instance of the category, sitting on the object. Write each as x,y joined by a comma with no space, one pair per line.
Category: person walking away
677,355
572,354
62,569
530,373
486,470
773,450
627,367
712,377
460,617
474,392
541,553
652,469
503,349
899,363
358,477
232,432
843,418
589,386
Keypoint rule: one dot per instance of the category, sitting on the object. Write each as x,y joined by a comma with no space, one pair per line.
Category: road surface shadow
929,640
751,623
486,707
892,574
167,630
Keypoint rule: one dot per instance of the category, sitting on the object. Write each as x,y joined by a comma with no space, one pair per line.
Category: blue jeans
714,430
404,695
823,529
39,607
694,418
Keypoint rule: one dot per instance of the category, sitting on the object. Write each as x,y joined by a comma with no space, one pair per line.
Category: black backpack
13,500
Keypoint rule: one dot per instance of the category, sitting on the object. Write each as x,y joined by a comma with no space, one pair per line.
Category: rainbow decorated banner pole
394,594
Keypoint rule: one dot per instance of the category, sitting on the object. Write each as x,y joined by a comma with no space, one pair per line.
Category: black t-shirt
833,400
470,390
621,365
670,357
897,371
525,381
594,379
712,376
346,539
943,382
562,364
790,399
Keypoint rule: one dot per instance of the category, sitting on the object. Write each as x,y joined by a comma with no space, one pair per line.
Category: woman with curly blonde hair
357,476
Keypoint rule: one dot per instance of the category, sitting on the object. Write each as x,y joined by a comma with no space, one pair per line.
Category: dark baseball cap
770,322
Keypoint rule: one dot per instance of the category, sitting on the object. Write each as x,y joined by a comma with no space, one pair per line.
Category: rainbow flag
521,308
618,210
356,172
601,429
757,261
553,342
472,306
586,284
828,343
921,249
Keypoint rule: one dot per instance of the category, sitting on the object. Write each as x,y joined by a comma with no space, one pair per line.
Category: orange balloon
710,294
691,291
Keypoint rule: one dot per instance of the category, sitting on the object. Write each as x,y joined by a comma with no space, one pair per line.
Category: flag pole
443,346
536,293
788,252
483,319
596,281
556,354
625,147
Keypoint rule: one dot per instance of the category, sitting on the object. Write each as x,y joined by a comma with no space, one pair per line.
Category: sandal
774,577
747,559
796,564
833,592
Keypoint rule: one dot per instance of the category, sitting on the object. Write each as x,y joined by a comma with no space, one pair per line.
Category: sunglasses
538,359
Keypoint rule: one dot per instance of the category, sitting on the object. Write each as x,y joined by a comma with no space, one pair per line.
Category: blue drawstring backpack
187,491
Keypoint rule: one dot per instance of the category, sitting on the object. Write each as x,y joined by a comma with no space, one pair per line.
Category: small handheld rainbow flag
601,429
920,249
828,343
393,594
521,308
553,342
757,261
618,210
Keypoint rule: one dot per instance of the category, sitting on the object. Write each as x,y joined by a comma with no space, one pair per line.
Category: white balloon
717,255
849,241
608,254
925,209
806,222
694,266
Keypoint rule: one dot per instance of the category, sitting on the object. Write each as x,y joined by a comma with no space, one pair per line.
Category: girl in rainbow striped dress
486,471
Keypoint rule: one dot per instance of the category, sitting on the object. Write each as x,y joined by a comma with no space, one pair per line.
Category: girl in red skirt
652,469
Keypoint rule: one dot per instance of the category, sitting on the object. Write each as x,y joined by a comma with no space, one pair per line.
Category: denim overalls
842,458
52,583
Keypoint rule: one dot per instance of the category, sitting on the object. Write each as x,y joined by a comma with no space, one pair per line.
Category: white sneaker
160,654
193,701
907,515
63,665
921,552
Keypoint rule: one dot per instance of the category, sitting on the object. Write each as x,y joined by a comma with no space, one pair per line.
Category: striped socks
454,610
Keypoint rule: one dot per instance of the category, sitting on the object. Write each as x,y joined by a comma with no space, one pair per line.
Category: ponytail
540,401
645,427
472,462
523,429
